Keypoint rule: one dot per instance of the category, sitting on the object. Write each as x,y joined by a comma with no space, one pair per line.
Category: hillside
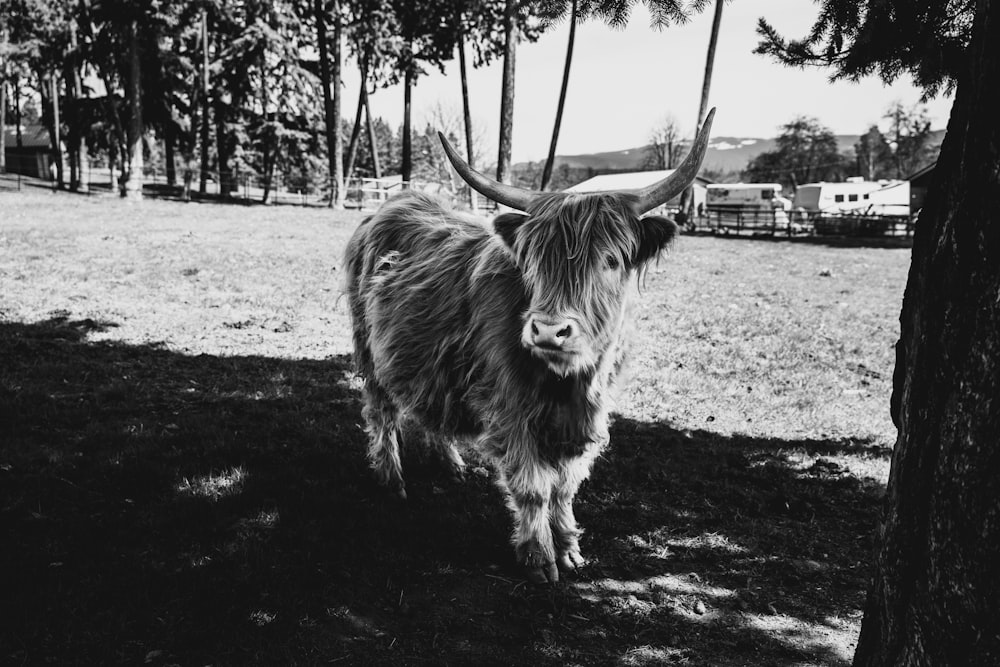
724,154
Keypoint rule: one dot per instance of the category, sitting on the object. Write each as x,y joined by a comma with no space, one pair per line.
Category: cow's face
577,254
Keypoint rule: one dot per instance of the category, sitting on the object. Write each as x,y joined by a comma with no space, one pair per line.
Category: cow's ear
506,225
655,234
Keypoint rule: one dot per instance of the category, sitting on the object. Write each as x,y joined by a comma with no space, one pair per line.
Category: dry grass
182,478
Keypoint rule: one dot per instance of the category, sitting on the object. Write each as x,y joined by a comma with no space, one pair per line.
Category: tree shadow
163,508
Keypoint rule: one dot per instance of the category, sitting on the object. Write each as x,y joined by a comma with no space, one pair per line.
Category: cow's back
428,289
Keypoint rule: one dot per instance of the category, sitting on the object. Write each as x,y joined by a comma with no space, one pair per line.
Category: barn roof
626,181
32,136
923,174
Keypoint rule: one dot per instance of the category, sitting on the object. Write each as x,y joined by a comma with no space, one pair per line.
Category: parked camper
746,196
747,206
855,195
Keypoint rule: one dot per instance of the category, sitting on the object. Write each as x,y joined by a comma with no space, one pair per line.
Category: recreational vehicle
854,195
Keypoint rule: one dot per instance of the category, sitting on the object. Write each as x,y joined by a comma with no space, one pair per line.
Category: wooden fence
802,223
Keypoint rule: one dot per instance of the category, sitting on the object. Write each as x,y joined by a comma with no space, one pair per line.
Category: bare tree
666,148
450,121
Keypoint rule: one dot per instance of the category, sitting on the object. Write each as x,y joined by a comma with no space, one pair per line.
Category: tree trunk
372,141
470,156
507,91
550,160
687,197
330,115
935,588
81,157
226,180
3,124
205,106
338,144
168,141
55,128
352,145
407,167
113,151
133,183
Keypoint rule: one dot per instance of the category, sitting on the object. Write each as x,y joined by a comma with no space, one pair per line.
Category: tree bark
352,145
330,106
226,181
205,106
80,155
470,157
507,91
133,183
338,144
933,599
687,197
550,160
372,141
56,129
406,170
3,124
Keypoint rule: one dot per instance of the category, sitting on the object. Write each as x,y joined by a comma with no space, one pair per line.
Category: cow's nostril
534,329
565,332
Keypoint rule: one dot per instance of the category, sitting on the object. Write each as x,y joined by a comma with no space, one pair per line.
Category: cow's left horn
508,195
659,193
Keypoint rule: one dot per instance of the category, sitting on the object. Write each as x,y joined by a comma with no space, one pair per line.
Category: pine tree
934,588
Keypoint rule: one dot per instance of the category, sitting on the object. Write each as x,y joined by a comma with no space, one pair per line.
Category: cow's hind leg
565,531
528,489
382,420
447,451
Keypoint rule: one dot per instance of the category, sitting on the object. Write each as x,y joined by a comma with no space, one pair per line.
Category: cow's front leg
527,486
565,531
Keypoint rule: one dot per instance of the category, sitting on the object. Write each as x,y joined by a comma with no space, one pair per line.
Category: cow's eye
612,263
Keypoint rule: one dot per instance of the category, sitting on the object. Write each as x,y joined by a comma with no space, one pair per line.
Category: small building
635,180
34,155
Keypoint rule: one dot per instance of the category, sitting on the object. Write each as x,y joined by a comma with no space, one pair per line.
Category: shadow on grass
163,508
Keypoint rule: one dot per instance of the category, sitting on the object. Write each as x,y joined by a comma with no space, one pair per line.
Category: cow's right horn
660,193
508,195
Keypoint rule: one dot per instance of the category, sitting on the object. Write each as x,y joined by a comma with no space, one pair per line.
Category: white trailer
854,195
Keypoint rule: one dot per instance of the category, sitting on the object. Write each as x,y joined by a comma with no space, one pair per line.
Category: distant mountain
724,154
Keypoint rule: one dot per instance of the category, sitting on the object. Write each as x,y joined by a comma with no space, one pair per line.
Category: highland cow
512,339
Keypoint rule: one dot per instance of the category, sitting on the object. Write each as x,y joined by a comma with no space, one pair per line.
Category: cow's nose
552,336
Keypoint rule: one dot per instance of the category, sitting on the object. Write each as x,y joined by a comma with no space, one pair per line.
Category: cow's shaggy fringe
439,303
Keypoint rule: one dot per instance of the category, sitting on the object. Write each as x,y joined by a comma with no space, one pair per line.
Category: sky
625,82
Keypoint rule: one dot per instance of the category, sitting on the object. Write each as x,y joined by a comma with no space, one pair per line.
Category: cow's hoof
546,574
571,559
539,567
398,489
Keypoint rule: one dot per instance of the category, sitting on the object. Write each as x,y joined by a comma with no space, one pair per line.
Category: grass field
182,478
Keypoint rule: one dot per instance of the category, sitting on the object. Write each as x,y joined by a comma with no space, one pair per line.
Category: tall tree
873,154
687,197
806,151
507,90
934,587
910,132
4,74
332,132
133,93
560,105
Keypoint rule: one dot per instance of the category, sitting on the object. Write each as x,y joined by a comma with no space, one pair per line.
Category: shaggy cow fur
512,339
